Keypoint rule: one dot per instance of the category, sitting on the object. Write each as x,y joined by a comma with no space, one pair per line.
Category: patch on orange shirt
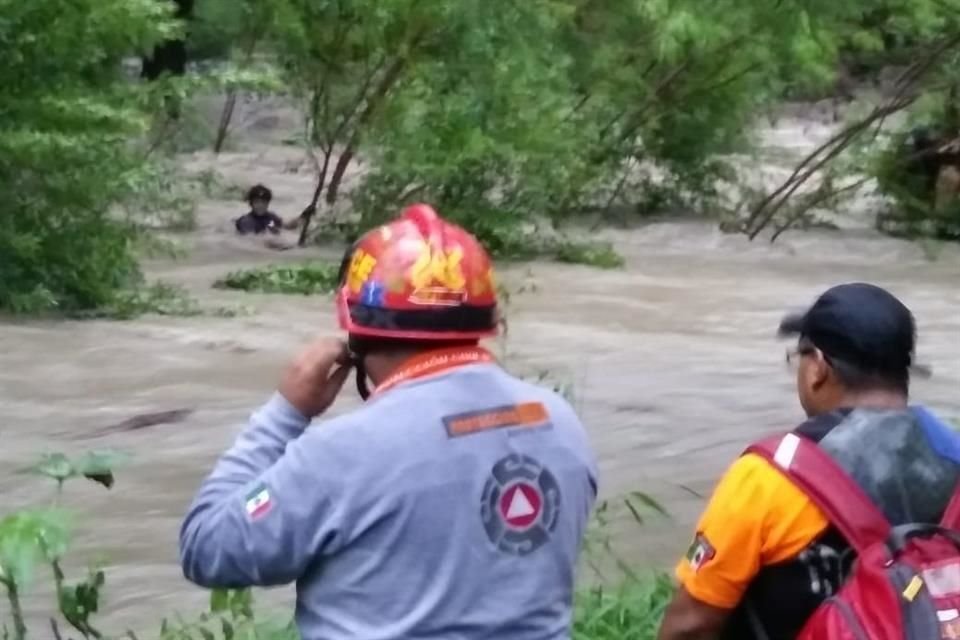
755,518
700,552
530,415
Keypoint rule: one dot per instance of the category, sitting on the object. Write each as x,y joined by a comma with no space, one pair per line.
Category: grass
303,279
630,611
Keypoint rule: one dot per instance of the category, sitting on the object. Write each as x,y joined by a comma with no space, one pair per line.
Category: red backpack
905,582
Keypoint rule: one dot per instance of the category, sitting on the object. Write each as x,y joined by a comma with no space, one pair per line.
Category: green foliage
157,298
65,158
230,617
574,105
80,189
162,197
27,538
629,611
193,130
597,255
599,543
30,537
631,604
215,29
303,279
80,601
93,465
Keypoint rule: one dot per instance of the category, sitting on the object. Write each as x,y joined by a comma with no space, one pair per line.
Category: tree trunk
312,209
231,102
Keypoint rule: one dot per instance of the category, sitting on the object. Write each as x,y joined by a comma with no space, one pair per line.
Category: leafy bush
303,279
214,29
65,155
41,535
30,538
576,105
158,298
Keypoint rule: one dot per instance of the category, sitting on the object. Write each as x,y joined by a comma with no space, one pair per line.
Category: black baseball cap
860,324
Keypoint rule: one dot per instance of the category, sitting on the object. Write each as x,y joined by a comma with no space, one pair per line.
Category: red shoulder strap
844,503
951,517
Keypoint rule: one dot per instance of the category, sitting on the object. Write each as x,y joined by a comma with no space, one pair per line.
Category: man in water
764,557
452,504
259,219
933,160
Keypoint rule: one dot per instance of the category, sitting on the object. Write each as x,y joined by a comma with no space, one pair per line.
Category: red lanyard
434,362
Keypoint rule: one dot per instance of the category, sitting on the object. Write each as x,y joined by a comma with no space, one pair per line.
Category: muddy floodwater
673,362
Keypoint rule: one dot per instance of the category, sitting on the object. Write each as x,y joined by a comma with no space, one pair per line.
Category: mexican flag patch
259,502
700,552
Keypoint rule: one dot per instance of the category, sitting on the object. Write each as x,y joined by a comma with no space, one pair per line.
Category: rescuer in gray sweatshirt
451,505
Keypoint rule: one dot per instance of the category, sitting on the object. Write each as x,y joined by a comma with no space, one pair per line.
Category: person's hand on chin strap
314,379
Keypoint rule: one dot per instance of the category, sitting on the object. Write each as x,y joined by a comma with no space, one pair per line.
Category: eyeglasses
794,355
792,358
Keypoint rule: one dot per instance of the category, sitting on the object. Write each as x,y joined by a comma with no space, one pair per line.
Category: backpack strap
951,517
812,470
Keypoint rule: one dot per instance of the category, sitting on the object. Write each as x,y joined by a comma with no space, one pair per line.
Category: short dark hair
259,192
856,377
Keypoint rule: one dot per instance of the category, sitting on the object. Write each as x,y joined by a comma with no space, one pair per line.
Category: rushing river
673,363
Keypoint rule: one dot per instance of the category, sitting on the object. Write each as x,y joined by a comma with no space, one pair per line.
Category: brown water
673,362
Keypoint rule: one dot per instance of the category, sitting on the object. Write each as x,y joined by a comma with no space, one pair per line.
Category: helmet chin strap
362,387
357,355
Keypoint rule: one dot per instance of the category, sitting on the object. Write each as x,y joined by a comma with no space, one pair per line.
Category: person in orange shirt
764,557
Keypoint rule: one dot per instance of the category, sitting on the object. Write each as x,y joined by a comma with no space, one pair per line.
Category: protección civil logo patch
520,505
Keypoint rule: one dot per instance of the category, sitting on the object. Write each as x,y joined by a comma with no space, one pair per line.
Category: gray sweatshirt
449,507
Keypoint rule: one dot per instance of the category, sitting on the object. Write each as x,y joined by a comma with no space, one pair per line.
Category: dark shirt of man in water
260,218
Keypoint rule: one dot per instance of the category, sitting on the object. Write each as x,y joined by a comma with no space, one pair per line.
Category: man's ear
818,370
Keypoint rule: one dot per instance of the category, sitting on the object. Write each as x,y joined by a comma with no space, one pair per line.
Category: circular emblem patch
520,505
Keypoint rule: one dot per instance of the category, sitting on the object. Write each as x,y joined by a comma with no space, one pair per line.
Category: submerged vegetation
304,279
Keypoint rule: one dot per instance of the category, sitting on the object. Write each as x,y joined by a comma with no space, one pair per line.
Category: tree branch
817,200
904,96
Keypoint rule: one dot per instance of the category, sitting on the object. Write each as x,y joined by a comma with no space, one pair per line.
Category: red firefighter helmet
419,277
